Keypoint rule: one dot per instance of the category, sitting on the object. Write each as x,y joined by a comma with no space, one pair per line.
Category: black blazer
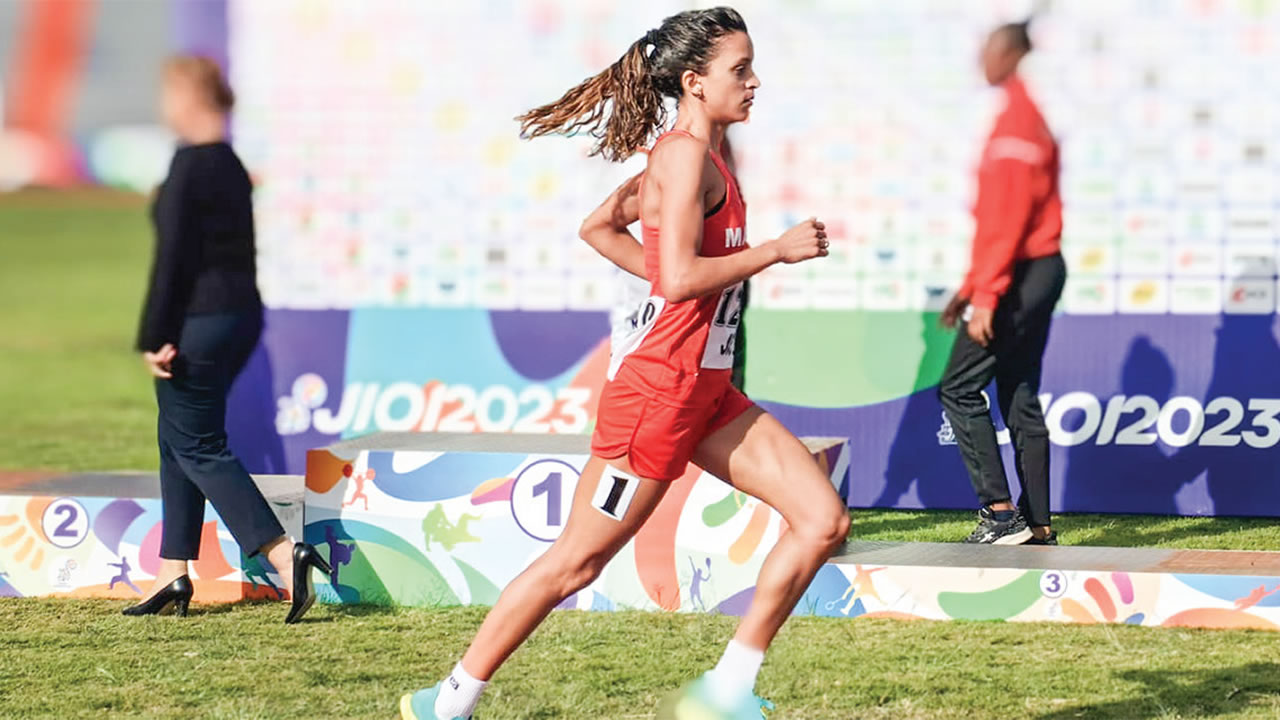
204,256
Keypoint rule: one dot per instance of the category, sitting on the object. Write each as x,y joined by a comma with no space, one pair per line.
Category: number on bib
632,330
614,492
722,335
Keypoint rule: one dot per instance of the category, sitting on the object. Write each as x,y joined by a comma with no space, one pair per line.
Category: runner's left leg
760,457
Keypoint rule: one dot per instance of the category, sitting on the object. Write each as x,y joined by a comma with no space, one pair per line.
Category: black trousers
1013,359
195,462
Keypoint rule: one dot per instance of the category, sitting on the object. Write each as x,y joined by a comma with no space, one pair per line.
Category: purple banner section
302,353
200,27
541,345
1147,414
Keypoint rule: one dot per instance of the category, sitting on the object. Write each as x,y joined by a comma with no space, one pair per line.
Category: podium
435,519
438,520
98,535
1135,586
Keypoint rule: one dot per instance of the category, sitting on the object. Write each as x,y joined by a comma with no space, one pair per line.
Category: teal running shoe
422,706
695,703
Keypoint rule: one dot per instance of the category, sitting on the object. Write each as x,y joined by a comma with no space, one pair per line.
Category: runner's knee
573,570
823,525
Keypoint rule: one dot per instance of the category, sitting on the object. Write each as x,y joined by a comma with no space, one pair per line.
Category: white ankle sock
735,674
459,694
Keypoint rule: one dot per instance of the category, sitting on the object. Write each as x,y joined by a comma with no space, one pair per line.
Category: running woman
669,400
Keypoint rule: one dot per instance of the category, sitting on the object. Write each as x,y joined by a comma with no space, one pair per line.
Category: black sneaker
1051,540
991,531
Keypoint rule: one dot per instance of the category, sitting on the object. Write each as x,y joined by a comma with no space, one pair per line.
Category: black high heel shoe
178,592
305,557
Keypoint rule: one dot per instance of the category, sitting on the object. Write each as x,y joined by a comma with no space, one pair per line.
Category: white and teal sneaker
422,705
695,703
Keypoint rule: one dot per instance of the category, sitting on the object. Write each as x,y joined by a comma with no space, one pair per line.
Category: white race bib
630,330
723,335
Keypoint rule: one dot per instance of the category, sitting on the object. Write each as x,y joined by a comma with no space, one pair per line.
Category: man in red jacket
1006,303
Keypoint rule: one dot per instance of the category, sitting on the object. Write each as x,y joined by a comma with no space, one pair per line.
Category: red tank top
682,352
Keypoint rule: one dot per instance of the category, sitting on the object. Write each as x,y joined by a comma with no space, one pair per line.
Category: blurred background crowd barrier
424,272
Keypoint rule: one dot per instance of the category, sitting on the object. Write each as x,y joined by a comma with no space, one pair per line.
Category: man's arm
1003,210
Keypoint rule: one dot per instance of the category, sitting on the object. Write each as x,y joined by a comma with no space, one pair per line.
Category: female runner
669,400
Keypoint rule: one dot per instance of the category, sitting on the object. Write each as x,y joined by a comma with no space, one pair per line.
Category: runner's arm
683,273
605,229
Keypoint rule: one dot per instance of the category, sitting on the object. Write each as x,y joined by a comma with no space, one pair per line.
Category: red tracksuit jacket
1018,211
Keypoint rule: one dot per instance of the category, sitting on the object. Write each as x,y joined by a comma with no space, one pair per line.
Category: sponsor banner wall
1158,413
385,182
323,375
1155,413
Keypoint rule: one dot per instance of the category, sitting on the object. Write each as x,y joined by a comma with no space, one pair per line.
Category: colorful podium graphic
444,519
448,519
1135,586
99,536
438,519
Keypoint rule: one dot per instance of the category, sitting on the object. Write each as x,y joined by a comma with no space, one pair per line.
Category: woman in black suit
201,321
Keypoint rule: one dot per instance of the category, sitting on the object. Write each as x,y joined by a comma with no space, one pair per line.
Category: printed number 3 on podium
614,492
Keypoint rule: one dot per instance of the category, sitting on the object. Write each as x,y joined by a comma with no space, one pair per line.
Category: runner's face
729,86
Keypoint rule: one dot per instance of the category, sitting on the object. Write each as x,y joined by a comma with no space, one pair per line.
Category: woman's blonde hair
207,76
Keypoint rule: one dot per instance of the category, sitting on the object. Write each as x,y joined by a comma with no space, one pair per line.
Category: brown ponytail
623,106
625,89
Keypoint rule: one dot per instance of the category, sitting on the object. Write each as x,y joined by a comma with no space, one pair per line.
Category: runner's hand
805,241
160,362
951,315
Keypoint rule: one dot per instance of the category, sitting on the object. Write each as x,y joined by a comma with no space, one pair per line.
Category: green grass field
73,396
72,274
80,659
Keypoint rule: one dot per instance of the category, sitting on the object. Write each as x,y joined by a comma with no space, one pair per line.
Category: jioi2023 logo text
1077,418
432,406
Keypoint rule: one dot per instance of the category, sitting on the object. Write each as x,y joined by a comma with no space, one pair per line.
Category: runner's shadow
1185,693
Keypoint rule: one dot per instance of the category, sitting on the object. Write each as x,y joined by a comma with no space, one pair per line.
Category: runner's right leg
594,533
